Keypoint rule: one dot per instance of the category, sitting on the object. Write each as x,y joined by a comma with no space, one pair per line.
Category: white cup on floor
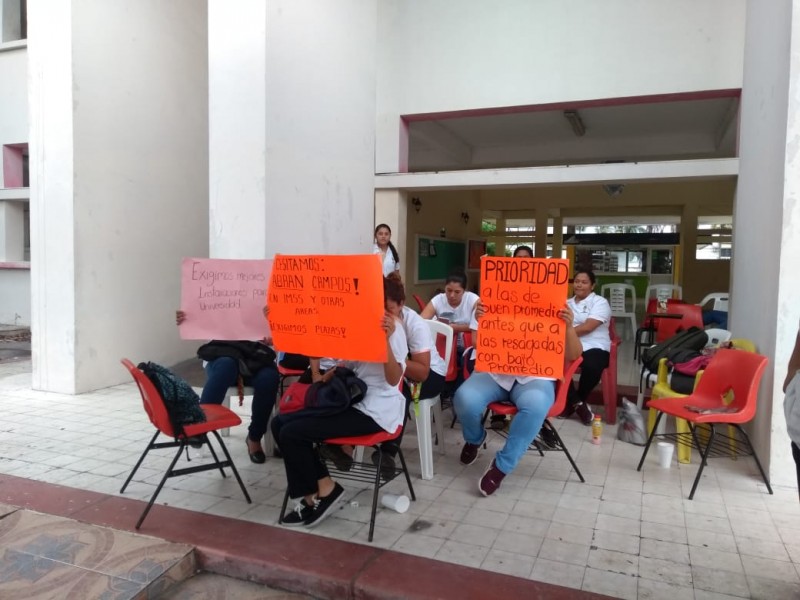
397,503
665,450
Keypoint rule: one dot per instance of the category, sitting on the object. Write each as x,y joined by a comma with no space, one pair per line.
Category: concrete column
500,237
391,207
12,231
688,246
558,236
119,195
540,247
766,218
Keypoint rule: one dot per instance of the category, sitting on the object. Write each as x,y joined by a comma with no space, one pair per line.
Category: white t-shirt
389,263
420,339
597,308
462,313
383,402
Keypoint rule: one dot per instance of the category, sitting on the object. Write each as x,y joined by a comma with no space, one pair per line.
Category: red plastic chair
608,380
366,472
285,374
691,316
645,334
419,301
562,386
217,417
727,393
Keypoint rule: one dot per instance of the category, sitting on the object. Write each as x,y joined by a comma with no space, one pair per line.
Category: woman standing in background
384,247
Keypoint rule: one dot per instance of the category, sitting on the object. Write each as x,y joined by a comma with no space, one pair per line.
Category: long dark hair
393,288
391,245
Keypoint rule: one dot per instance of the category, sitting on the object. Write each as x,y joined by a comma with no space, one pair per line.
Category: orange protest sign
327,305
521,332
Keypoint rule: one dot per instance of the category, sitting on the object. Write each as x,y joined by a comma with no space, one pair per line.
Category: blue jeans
222,373
533,400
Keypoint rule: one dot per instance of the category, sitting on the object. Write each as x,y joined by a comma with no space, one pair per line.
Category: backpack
320,399
181,401
693,338
251,356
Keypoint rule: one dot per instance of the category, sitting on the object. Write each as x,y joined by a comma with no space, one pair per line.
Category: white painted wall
134,201
764,282
320,126
436,55
237,129
15,297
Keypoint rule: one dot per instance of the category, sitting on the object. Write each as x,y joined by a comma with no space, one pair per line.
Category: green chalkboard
437,257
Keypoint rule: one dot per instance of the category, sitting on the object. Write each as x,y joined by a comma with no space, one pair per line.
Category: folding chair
726,394
217,417
363,471
562,387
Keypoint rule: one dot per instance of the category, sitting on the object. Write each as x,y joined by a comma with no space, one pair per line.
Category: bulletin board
437,257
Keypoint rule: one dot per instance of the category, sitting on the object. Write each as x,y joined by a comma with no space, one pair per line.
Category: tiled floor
47,557
623,533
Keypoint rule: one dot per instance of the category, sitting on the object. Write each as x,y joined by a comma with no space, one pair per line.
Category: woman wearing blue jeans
223,373
533,397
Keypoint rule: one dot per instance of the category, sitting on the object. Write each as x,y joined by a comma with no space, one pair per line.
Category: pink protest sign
224,299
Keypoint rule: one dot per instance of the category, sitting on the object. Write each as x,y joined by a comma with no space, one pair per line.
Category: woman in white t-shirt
592,317
381,409
390,260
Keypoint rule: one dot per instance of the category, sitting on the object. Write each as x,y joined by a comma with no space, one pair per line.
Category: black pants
796,455
431,387
296,437
594,361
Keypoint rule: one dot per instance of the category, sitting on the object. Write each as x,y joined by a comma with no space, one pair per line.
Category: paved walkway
624,533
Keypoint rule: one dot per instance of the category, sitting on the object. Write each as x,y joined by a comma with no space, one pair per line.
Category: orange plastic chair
366,472
217,417
727,393
508,408
419,301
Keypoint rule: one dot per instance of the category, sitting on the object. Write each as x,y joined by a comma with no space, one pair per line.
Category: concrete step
209,586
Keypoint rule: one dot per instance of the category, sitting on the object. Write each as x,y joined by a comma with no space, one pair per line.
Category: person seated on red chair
592,316
533,397
223,373
381,410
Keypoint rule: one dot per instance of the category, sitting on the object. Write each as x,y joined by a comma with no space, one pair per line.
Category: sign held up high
521,332
328,305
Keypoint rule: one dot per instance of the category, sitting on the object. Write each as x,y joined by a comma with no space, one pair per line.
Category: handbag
251,356
320,399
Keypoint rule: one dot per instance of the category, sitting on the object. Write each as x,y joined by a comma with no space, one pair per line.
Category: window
14,20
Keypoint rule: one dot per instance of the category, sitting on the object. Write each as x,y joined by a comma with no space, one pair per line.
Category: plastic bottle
597,429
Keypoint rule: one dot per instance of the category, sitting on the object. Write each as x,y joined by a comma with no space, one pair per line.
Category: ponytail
394,253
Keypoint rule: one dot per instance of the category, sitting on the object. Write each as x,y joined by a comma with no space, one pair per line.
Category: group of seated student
412,356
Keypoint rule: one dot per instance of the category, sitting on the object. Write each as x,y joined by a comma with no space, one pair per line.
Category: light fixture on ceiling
575,121
614,189
417,204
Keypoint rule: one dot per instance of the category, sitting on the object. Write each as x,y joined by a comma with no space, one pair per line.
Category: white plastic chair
720,301
432,407
663,291
233,392
617,297
717,336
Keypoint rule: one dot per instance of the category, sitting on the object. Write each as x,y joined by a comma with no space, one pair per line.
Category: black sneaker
298,515
323,507
584,413
568,411
388,467
337,456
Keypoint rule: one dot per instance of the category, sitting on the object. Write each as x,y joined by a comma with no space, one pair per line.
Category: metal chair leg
703,459
167,473
755,456
141,459
233,466
564,448
650,439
